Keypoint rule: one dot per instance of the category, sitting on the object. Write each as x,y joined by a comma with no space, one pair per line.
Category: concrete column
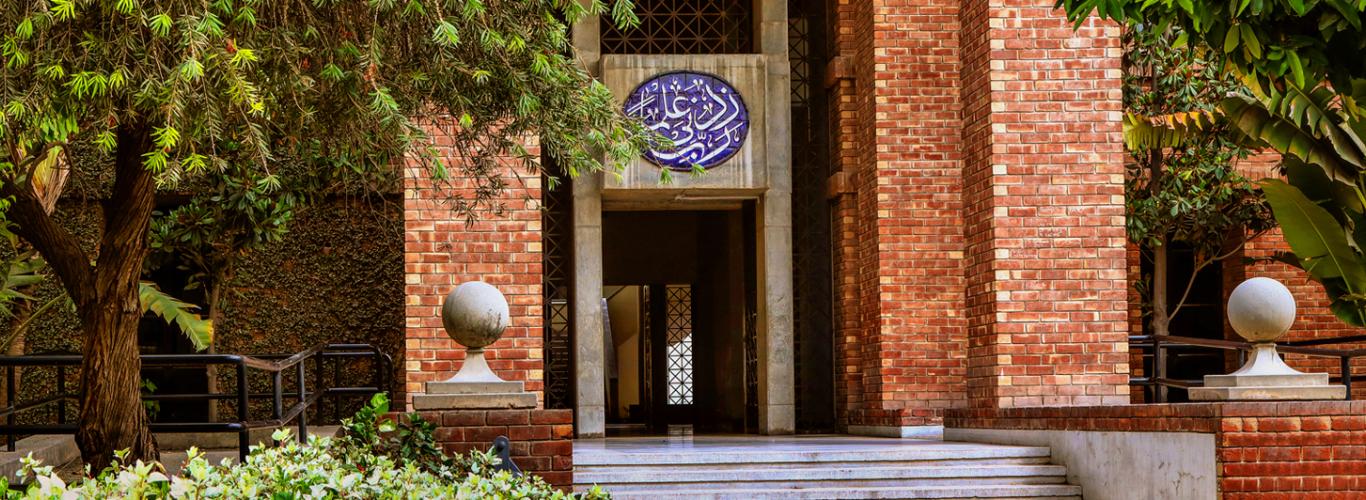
777,399
590,414
777,410
590,409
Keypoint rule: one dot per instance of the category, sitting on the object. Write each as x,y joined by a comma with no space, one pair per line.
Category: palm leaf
1146,133
175,312
1265,124
1318,240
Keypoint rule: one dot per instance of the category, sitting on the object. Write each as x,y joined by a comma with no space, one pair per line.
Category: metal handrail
1158,382
275,365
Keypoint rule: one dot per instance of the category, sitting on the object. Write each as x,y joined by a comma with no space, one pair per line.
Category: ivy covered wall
336,277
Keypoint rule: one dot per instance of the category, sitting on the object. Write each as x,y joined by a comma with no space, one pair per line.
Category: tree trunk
215,297
1161,323
112,416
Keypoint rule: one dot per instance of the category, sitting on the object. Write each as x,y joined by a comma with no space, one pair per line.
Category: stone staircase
832,468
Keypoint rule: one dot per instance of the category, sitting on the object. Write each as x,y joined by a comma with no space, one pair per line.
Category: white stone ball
475,314
1261,309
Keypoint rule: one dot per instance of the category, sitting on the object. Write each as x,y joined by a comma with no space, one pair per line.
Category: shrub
375,458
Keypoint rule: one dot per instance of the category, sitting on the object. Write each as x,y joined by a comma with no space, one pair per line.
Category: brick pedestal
542,440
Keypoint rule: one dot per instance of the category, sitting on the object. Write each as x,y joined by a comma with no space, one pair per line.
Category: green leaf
1315,236
1254,46
1231,39
177,313
1296,67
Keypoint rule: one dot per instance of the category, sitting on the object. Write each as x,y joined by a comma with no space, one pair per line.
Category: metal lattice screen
678,334
557,243
684,27
811,258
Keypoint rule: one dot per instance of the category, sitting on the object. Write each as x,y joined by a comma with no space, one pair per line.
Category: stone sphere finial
475,314
1261,310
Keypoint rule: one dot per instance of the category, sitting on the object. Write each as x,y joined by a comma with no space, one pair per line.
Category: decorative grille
811,259
751,338
678,334
684,27
557,243
647,356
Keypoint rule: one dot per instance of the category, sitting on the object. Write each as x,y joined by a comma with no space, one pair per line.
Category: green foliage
1269,44
231,87
1304,75
408,439
321,468
374,459
175,312
1181,185
151,406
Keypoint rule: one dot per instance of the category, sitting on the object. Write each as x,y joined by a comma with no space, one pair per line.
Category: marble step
843,477
1033,492
811,465
587,460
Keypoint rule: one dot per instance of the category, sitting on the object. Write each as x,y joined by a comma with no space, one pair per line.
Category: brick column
441,250
1043,208
899,227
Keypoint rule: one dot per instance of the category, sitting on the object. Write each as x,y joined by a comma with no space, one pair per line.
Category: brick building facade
924,224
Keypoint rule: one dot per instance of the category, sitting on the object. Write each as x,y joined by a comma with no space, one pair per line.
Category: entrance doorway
675,310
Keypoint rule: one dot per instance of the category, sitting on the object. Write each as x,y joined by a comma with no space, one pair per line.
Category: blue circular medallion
702,114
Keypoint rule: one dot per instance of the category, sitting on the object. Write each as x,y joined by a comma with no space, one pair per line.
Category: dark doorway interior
155,336
676,308
1201,315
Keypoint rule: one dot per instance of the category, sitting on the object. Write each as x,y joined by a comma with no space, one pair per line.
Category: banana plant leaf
175,312
1321,246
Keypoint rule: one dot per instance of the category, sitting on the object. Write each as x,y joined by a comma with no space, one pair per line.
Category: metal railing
1154,348
276,367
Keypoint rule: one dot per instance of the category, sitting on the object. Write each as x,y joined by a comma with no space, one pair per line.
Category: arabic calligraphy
702,114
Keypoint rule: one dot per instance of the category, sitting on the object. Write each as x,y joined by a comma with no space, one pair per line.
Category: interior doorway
675,308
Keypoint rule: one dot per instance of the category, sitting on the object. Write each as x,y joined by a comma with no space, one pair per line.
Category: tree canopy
1187,191
1305,81
238,90
1270,42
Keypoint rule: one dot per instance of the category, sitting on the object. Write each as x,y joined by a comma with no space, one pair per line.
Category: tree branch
1191,282
128,213
59,248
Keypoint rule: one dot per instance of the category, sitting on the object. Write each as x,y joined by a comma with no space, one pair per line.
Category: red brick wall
441,250
902,230
846,218
1047,305
542,440
961,143
1263,450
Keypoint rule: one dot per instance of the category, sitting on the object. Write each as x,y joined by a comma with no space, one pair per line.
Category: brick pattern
902,233
844,214
1263,450
997,122
1047,306
441,250
542,440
